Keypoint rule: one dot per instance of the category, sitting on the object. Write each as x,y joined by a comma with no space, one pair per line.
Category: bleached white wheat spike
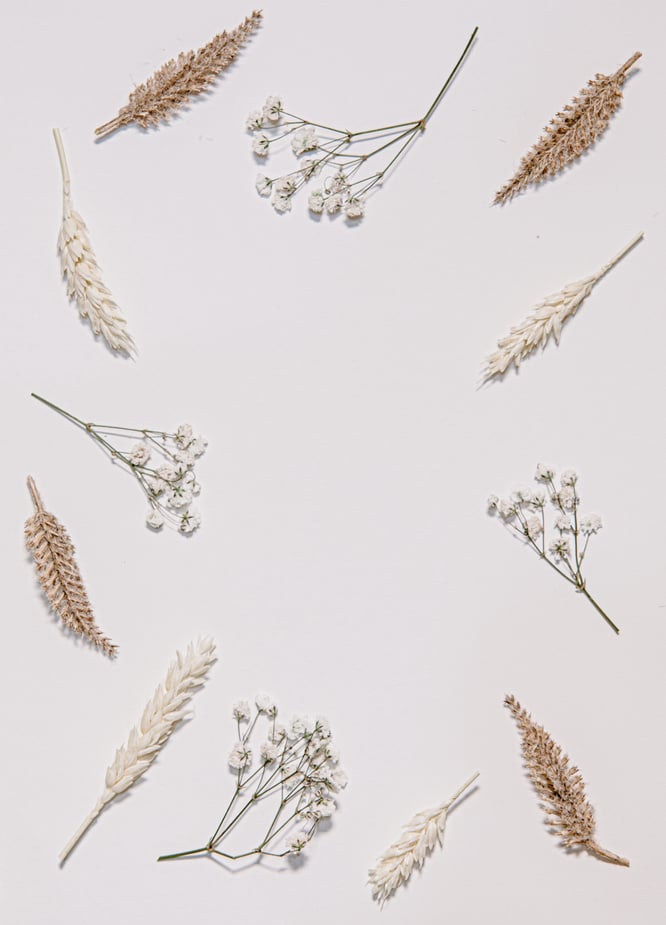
418,839
546,320
82,272
162,714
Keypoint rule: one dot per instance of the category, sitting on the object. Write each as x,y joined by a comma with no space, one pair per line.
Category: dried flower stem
560,786
83,273
419,838
546,320
162,714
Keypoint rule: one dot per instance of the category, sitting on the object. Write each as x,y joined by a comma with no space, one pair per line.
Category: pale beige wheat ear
160,717
176,82
571,132
560,787
546,320
58,573
82,272
418,839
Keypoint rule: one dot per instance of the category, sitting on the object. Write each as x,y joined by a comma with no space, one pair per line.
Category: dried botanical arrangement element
162,713
340,151
524,514
172,87
82,273
560,786
546,320
416,843
58,573
161,462
571,132
297,773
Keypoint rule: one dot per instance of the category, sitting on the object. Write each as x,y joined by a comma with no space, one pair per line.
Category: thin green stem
62,411
448,80
596,606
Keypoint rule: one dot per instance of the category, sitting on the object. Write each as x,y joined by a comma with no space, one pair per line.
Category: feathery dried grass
58,573
571,132
417,841
546,320
560,786
176,82
161,715
82,272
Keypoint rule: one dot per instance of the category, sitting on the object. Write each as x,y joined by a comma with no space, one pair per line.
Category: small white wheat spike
546,319
417,841
82,272
162,714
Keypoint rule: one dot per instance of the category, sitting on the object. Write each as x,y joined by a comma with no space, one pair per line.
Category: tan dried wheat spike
160,717
82,272
560,786
417,841
58,573
176,82
571,132
547,319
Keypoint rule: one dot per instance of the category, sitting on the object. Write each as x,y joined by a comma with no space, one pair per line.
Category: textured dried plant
560,787
344,153
160,717
58,573
82,272
545,321
571,132
295,782
416,843
176,82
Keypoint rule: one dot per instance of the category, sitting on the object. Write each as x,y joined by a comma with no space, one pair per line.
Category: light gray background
345,562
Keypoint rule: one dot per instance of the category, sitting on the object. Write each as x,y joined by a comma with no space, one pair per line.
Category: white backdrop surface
345,562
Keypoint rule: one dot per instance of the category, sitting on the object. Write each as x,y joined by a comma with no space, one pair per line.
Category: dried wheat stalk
546,320
82,272
560,786
176,82
58,573
571,132
161,715
417,841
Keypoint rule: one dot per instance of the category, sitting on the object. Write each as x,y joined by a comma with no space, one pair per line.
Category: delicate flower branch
524,514
345,154
297,771
163,712
416,843
161,462
546,320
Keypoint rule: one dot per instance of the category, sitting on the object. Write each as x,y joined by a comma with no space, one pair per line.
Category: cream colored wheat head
571,132
58,573
546,321
160,717
176,82
417,841
82,272
560,786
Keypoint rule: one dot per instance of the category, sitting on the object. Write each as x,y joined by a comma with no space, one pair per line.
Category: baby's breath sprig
345,154
161,462
297,772
524,513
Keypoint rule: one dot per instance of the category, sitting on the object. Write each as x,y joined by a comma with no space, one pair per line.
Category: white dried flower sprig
416,843
524,513
82,272
342,153
297,771
161,462
163,712
546,320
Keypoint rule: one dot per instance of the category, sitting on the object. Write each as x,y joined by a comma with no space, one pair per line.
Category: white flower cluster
336,195
164,464
297,763
524,512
